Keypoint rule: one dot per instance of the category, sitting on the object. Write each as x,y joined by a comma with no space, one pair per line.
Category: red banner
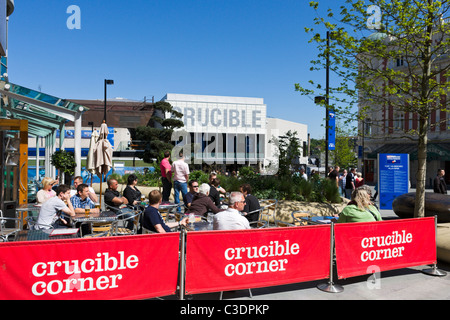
232,260
129,267
362,248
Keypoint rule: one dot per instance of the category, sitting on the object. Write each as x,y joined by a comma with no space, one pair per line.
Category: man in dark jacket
439,184
251,203
202,203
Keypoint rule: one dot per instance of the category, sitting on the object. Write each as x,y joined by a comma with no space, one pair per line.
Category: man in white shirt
180,170
231,219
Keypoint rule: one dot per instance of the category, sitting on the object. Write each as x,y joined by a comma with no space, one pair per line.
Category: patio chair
120,231
283,224
268,212
108,231
6,232
258,224
33,225
298,215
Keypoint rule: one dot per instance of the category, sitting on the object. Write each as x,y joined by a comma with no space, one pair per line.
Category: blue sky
149,48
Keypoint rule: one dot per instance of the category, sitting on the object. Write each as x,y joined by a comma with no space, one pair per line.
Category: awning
45,113
435,151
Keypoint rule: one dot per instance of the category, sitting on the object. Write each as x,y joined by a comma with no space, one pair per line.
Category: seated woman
130,192
202,203
46,192
360,209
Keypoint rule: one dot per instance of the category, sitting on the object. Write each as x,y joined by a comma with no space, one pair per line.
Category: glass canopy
45,113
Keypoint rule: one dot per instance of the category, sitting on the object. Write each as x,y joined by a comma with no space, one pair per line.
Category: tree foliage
404,65
157,136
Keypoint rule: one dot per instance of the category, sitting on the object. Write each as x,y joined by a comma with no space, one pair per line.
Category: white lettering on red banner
390,244
386,253
274,249
90,268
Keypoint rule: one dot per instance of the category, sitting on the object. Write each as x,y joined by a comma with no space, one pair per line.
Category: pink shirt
164,165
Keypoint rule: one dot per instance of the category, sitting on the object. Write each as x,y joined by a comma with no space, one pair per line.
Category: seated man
76,182
202,203
231,219
113,197
153,220
189,196
117,202
51,210
251,203
81,200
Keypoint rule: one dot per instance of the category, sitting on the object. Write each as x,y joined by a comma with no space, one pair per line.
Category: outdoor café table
169,206
102,217
200,224
45,234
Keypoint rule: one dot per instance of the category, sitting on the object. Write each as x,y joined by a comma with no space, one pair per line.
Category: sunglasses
194,186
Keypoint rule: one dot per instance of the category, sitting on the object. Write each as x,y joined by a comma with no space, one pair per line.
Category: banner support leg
434,271
182,264
330,286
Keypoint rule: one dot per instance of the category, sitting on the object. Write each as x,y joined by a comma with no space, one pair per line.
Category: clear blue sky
244,48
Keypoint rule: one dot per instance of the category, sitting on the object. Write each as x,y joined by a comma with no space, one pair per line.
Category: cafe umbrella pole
330,286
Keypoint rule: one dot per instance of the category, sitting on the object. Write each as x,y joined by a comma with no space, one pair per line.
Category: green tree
344,155
411,32
289,151
157,136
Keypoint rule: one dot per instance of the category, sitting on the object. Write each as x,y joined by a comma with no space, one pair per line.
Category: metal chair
258,224
122,230
283,224
6,232
33,225
268,212
298,215
107,232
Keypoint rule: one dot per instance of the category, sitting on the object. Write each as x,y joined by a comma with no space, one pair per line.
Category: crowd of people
235,210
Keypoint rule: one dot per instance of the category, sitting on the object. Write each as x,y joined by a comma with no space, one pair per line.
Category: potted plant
64,161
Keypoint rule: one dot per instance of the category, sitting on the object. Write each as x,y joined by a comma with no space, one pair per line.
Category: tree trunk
419,208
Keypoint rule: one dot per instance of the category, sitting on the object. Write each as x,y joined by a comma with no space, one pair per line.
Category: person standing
342,179
439,185
166,174
350,183
180,178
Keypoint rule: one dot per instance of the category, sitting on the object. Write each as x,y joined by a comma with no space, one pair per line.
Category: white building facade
229,130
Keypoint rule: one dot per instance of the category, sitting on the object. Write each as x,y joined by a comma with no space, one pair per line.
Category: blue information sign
393,177
331,130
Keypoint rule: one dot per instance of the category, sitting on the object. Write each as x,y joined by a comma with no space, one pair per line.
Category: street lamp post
104,109
326,101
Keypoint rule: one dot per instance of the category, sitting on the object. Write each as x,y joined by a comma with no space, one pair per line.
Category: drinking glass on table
192,218
210,218
97,206
87,210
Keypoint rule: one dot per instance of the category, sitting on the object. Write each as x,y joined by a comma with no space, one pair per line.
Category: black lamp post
104,110
326,100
